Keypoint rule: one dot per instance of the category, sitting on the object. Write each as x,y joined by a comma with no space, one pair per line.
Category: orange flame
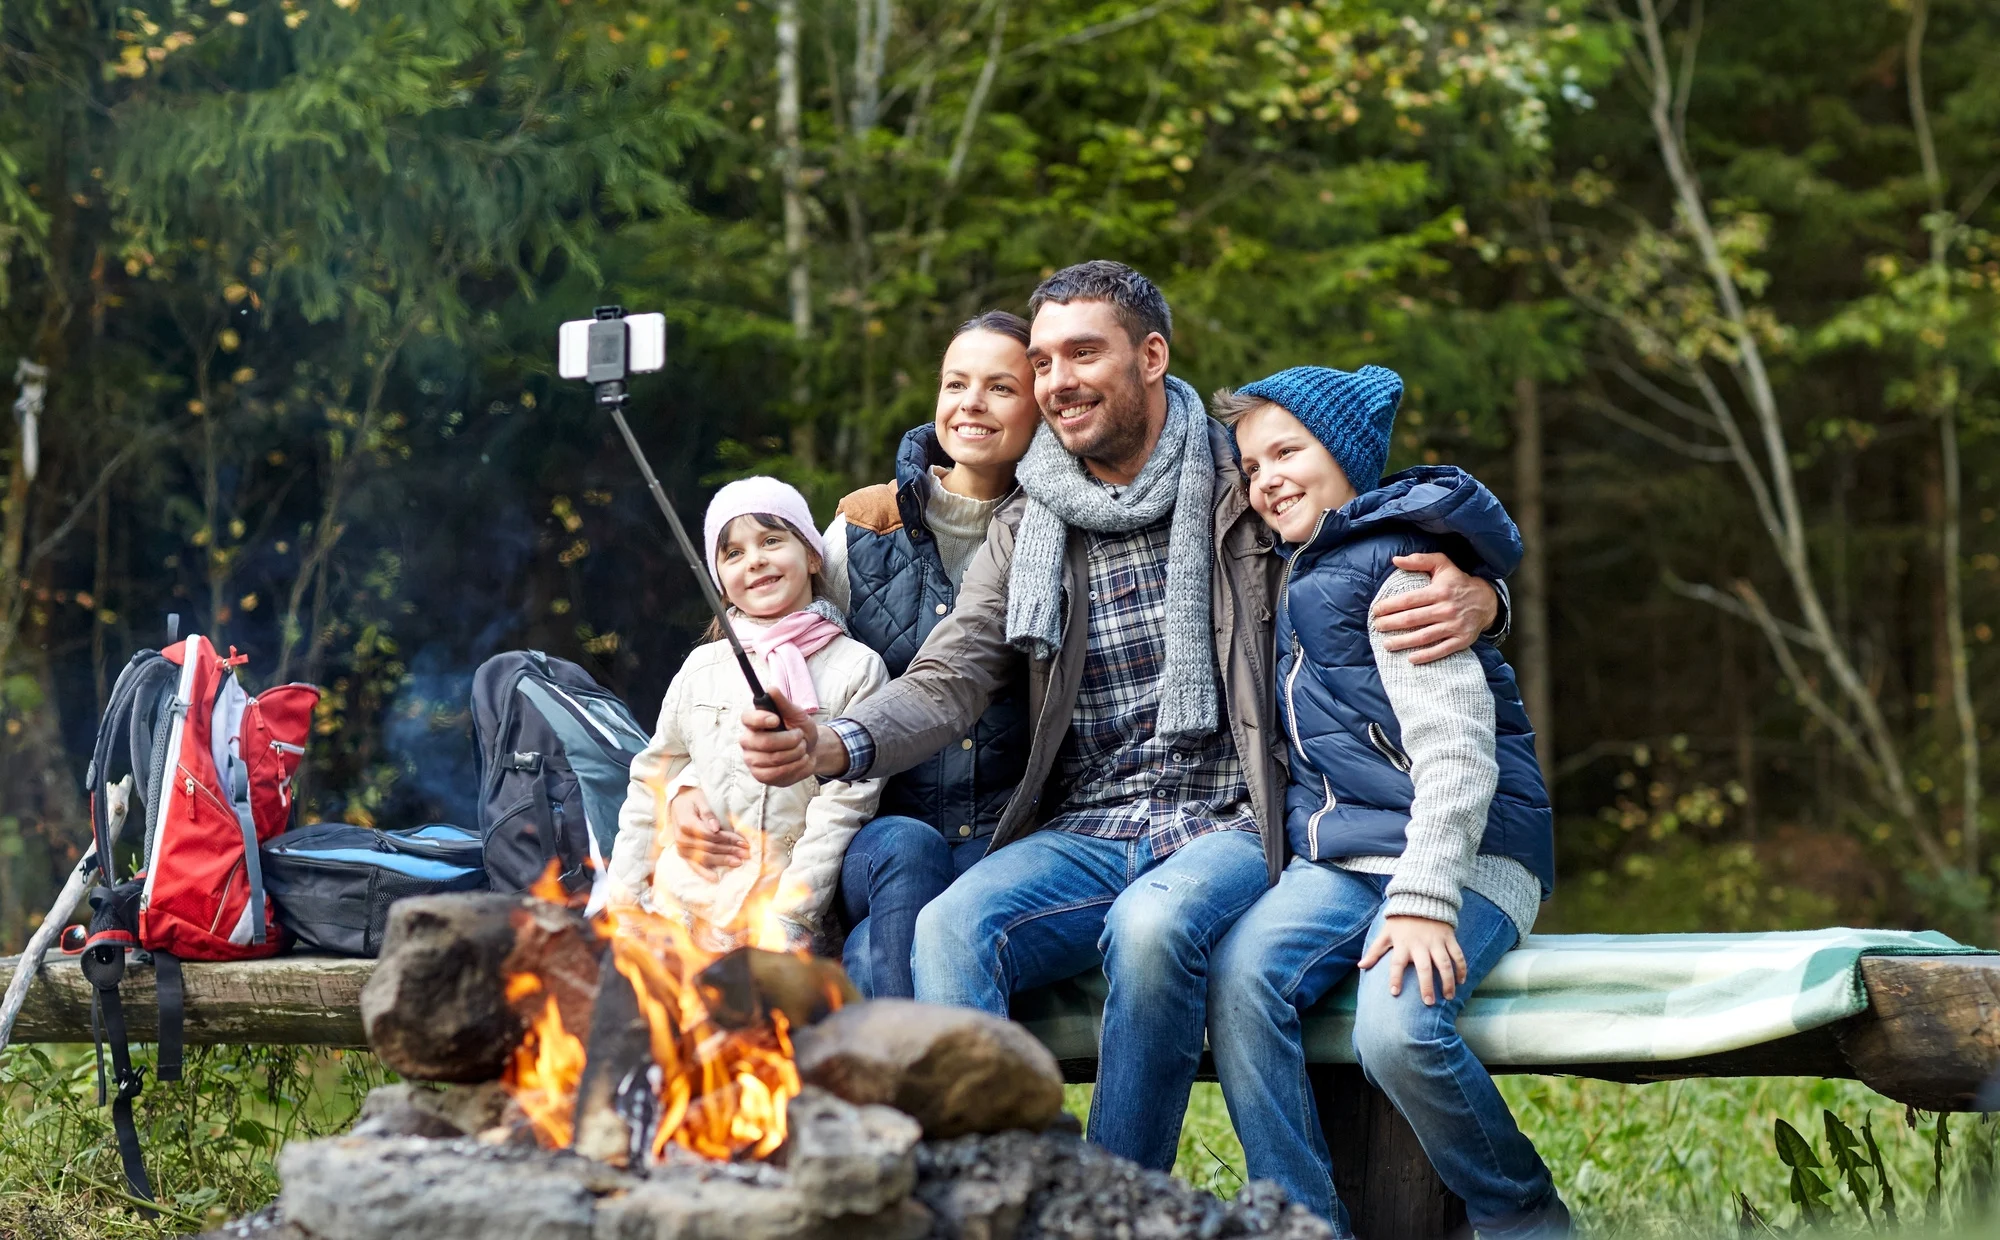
723,1093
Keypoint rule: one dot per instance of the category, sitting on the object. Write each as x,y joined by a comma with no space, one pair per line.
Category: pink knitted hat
746,496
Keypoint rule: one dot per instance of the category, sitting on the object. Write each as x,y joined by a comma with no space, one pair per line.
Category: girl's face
1293,478
986,413
766,574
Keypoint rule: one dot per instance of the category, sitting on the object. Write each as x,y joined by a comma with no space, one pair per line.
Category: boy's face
1293,478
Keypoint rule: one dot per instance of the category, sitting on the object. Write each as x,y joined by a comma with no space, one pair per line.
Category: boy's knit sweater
1445,712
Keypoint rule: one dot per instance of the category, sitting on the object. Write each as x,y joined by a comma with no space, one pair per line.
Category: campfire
687,1046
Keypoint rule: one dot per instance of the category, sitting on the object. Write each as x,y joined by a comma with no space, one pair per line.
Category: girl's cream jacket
797,835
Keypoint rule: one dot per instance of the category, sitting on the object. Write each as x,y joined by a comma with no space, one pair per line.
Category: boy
1420,829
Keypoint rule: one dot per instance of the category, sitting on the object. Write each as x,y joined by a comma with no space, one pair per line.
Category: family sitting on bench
1212,705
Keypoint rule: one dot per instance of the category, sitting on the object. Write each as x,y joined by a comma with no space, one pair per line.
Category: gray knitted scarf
1179,477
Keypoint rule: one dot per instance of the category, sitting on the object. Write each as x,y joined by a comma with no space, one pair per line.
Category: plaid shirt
1124,780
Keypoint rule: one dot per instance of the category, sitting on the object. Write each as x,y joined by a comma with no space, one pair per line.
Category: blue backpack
333,883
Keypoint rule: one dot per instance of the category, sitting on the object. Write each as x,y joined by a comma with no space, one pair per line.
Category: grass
209,1139
1632,1161
1668,1159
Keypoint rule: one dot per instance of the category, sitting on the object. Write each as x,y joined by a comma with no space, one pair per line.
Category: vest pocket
1379,737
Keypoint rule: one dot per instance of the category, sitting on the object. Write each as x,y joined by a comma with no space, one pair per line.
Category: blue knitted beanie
1350,412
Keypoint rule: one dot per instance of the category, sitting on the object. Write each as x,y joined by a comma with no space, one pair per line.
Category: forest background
1709,293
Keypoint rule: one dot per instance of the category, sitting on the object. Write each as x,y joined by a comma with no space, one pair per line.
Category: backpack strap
167,976
104,966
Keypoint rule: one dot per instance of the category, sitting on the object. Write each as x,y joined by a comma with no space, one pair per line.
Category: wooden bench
1930,1037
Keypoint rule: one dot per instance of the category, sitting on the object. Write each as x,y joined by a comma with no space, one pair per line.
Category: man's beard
1119,430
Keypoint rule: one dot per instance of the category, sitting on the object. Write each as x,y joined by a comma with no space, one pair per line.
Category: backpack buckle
131,1082
524,761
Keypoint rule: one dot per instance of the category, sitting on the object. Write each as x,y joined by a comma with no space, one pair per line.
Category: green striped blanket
1595,998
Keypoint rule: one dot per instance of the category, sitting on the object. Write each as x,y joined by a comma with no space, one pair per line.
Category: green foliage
209,1138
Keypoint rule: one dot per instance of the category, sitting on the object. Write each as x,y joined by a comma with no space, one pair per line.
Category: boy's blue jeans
1285,955
1055,904
893,867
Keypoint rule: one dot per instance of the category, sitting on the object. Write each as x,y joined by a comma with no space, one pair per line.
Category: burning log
744,987
617,1106
439,1006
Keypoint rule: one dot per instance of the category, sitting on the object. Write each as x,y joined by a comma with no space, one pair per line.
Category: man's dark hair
1003,322
1136,300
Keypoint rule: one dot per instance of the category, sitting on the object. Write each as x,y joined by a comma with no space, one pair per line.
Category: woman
895,556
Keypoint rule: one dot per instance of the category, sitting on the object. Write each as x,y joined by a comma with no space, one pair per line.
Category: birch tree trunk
799,281
1956,672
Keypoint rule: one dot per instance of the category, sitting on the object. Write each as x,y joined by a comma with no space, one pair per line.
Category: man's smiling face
1090,379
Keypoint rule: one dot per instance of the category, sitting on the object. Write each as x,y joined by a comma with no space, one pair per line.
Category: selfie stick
606,373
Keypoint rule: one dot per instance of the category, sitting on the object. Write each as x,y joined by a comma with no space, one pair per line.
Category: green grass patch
1669,1159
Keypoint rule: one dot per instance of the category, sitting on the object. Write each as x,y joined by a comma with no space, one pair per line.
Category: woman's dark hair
1005,322
765,520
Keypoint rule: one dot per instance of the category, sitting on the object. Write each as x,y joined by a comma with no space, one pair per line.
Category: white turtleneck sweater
958,523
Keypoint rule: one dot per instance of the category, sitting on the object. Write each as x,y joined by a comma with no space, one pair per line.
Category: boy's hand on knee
1420,943
701,839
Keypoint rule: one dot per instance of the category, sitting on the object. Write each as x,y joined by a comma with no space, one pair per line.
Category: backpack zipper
177,719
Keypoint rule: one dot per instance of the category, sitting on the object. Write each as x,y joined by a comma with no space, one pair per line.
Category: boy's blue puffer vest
1350,789
898,592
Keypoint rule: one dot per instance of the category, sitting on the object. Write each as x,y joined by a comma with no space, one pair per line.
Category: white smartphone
645,347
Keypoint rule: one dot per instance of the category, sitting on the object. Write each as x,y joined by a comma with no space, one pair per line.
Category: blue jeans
1285,955
1055,904
894,866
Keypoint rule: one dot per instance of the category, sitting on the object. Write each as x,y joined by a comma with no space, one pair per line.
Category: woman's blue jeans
1285,955
1056,904
894,866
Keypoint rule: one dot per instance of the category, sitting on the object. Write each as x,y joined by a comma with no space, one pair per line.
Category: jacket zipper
1379,737
1298,661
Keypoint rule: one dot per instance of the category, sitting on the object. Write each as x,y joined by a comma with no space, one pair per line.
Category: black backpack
333,883
555,756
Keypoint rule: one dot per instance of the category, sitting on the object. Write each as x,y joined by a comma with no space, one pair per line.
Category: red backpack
211,771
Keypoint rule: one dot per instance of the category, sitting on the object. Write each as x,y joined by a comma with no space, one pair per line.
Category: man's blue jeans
1282,957
894,866
1055,904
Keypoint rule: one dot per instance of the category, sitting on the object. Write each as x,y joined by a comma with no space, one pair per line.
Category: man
1138,582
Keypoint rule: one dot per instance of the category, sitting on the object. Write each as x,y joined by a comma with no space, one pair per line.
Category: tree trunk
1530,586
799,279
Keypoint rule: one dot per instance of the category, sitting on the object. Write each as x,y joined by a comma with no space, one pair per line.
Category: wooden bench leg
1380,1171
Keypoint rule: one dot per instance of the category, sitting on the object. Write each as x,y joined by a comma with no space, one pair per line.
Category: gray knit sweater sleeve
1445,712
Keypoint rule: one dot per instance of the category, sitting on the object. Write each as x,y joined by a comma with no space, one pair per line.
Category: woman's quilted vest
898,591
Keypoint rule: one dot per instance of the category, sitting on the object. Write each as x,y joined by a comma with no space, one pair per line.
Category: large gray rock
436,1007
686,1208
372,1188
847,1159
955,1071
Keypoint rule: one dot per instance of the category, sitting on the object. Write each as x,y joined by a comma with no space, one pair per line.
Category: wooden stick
39,943
119,799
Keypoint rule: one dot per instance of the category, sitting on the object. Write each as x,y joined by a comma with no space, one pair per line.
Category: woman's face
765,574
986,413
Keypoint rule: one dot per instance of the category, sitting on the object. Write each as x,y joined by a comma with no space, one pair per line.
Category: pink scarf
785,646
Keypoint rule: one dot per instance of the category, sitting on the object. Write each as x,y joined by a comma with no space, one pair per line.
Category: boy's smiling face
1293,478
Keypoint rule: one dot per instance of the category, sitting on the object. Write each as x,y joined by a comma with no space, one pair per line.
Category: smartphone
601,350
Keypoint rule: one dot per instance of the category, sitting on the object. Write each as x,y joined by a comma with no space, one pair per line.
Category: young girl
1420,829
765,557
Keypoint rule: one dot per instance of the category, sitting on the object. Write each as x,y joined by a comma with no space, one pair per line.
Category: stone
954,1070
436,1007
371,1188
847,1159
744,987
401,1111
